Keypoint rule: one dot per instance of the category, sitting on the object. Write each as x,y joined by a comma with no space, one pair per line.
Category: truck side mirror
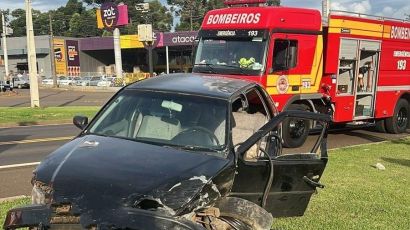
80,121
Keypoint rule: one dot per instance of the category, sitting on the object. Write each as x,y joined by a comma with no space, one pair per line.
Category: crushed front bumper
44,217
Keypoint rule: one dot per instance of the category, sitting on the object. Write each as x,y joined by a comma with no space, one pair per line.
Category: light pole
6,59
31,55
52,54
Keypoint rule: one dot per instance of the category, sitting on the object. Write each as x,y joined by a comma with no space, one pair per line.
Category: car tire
381,126
19,86
295,132
245,212
399,122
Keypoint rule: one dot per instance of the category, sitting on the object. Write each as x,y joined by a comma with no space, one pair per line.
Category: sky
386,8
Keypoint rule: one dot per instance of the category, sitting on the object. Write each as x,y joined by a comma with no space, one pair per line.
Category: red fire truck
360,65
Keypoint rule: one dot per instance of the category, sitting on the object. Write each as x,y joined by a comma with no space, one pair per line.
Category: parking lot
56,97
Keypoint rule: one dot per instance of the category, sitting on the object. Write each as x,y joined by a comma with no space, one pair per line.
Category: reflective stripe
393,88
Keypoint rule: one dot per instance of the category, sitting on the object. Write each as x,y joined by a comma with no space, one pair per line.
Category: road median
13,116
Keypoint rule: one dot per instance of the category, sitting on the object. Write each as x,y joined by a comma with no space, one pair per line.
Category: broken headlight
41,193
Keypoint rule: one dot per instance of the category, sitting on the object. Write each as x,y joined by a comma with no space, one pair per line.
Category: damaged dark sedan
177,152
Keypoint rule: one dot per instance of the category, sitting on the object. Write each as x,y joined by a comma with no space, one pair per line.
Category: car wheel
243,214
399,122
19,86
295,131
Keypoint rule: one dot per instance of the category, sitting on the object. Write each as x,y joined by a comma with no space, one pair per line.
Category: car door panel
295,176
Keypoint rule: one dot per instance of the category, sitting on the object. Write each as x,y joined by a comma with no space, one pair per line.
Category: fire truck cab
356,65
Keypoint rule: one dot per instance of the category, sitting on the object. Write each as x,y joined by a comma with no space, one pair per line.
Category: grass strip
357,195
7,205
33,116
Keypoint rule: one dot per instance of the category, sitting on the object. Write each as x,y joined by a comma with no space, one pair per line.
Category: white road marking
18,165
36,140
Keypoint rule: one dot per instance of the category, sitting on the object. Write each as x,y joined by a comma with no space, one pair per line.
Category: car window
247,119
170,119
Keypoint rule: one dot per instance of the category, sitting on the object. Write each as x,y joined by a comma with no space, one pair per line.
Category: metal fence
95,79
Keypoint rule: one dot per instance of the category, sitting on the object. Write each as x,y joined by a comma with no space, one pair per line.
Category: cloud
387,8
361,7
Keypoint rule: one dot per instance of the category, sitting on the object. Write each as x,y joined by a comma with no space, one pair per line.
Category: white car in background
106,82
68,80
47,81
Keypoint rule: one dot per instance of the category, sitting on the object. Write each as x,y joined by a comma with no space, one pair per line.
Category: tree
6,18
192,12
83,25
41,23
407,17
19,22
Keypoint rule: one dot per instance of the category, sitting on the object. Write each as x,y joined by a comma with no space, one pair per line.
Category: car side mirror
80,121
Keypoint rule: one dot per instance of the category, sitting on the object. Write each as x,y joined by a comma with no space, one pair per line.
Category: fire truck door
365,86
357,78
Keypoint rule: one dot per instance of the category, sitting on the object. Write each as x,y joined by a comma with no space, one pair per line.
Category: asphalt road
55,97
31,144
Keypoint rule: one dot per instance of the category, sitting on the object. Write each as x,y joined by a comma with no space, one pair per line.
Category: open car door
282,183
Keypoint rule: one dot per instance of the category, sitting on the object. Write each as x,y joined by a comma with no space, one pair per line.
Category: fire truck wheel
399,121
294,131
380,126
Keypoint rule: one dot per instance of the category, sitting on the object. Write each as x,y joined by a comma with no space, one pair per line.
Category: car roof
195,84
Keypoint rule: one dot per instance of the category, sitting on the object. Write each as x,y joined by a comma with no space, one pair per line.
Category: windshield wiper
191,148
198,148
209,65
236,67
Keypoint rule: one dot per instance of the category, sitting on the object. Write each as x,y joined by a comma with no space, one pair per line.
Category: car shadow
72,101
402,162
27,123
28,102
365,136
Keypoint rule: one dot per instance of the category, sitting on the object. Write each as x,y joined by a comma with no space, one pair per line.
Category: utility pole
31,56
6,59
52,54
117,53
325,11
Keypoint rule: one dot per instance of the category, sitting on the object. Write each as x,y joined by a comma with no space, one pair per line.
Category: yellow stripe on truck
356,27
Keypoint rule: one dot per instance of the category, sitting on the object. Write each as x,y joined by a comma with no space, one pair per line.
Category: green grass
5,206
356,196
29,116
359,196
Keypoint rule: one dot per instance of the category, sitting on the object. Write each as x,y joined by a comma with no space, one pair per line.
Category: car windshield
187,122
231,56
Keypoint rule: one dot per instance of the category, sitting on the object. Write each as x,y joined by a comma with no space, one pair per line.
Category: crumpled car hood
95,173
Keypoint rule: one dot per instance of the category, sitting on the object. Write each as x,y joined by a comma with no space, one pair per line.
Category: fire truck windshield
242,56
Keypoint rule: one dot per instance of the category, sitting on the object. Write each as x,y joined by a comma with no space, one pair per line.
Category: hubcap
297,128
402,117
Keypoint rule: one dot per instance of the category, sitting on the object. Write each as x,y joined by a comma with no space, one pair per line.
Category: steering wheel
211,135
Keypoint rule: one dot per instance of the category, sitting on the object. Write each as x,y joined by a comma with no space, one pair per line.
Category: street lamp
6,31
